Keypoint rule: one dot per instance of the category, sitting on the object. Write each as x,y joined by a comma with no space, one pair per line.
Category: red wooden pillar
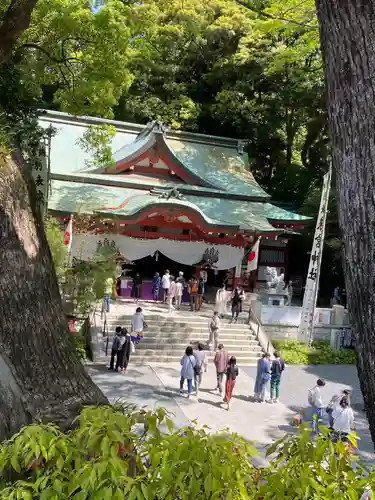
198,272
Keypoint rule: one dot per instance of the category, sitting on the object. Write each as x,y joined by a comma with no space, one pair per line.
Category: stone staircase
168,335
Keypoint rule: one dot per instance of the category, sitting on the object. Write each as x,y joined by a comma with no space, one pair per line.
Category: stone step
169,349
181,346
161,326
184,341
195,337
179,322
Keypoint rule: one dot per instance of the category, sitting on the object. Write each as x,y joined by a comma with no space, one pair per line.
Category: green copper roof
73,197
223,167
230,195
69,197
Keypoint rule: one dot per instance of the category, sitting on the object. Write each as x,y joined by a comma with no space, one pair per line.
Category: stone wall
282,332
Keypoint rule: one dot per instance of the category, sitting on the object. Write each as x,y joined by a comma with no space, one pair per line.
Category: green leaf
14,463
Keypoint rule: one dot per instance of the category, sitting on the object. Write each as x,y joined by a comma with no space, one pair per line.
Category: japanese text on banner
305,330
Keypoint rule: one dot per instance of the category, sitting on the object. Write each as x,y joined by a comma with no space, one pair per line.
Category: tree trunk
15,21
41,377
347,29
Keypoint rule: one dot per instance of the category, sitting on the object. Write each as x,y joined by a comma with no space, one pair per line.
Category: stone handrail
261,336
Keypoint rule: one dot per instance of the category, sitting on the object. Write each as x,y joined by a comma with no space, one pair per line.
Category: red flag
68,234
252,260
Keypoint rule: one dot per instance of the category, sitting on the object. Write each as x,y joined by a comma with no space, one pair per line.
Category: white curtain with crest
183,252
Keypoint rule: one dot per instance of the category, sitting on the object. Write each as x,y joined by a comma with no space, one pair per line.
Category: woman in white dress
221,301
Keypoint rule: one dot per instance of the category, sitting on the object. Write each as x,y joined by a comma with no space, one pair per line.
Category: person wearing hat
221,360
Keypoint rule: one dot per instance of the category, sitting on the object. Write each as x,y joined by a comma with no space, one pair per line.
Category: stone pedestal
338,315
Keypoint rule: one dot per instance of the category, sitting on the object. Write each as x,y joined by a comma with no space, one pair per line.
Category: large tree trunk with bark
16,20
347,29
41,377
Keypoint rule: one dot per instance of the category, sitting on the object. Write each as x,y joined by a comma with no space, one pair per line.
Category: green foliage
82,57
252,72
121,452
313,468
97,142
55,238
85,281
320,353
82,282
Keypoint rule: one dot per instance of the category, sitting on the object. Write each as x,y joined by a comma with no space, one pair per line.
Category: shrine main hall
168,200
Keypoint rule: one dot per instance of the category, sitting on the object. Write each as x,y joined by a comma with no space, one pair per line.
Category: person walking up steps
201,364
277,367
138,325
213,328
188,363
221,360
232,374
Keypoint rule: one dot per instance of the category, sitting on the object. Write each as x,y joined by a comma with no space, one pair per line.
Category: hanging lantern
157,255
66,238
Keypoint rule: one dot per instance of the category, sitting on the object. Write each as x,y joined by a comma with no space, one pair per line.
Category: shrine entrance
147,266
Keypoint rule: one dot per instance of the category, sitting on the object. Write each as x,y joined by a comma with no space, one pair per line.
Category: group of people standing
268,378
339,412
123,342
194,364
173,290
122,347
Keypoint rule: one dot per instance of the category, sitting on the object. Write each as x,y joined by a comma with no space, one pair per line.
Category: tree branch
15,22
62,62
35,46
278,18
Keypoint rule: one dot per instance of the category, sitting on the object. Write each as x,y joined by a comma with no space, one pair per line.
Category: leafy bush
125,453
320,353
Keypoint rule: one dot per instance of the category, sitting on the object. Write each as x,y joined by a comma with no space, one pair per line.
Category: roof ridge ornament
167,194
241,146
158,127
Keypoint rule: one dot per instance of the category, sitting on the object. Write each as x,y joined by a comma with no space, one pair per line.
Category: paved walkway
157,386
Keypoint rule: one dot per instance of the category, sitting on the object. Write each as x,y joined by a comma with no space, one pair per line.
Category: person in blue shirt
156,282
188,363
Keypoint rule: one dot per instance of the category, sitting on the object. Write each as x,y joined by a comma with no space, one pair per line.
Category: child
343,421
116,346
188,362
138,325
232,374
315,400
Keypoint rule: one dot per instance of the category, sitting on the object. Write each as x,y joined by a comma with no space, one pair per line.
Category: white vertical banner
305,330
